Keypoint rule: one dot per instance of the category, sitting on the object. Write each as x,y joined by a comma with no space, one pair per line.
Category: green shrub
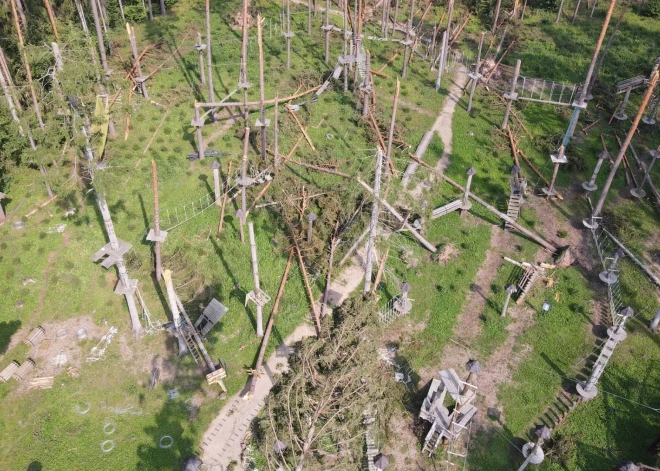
135,14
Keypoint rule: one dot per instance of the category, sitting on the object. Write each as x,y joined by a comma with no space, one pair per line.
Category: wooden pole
288,35
209,59
575,12
202,75
121,11
497,14
10,101
390,136
262,117
647,96
511,96
373,224
276,151
559,12
140,79
99,35
326,293
309,17
150,10
475,78
269,327
445,48
367,86
255,275
28,71
224,198
327,31
154,179
407,41
308,288
51,17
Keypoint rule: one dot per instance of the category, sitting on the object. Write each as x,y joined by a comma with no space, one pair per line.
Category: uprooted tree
315,415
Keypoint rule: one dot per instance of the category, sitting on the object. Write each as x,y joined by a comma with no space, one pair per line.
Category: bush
135,14
652,8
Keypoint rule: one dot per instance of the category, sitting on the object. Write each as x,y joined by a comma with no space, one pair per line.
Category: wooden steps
513,209
526,283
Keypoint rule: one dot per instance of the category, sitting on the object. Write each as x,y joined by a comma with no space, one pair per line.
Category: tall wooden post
4,83
575,12
441,65
559,12
217,196
396,15
390,136
373,224
288,35
121,11
601,58
139,79
28,71
125,285
200,49
368,87
497,14
255,275
475,77
2,211
99,35
358,40
209,60
580,104
309,17
511,95
276,151
198,122
262,122
592,223
243,83
327,29
51,17
345,50
156,235
445,46
407,42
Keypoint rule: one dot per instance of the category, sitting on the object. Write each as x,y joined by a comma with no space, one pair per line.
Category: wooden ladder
192,346
513,210
526,283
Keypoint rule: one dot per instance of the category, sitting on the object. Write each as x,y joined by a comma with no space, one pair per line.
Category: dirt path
442,125
221,443
456,353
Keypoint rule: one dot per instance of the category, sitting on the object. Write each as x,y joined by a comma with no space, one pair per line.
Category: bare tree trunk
601,59
21,12
121,11
561,7
28,72
99,35
209,69
150,10
497,14
10,101
163,12
51,17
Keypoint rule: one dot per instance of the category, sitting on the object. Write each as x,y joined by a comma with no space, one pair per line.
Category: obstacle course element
211,315
397,306
446,425
615,334
8,371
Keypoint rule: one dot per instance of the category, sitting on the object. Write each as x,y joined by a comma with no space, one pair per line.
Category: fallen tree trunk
538,239
252,383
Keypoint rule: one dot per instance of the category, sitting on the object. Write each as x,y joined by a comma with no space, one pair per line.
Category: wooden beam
302,129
